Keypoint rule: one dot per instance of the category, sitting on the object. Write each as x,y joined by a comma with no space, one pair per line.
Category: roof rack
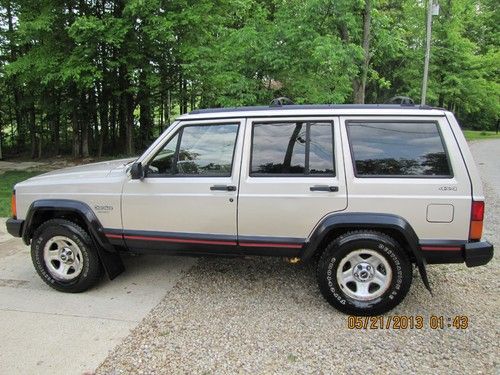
286,107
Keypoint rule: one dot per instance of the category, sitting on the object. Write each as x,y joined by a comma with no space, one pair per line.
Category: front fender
108,255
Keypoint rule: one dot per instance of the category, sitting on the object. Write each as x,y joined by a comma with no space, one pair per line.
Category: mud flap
111,261
423,274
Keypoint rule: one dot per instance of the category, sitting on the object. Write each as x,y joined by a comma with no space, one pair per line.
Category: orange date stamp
403,322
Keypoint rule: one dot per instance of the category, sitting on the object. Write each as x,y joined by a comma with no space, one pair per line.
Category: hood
92,170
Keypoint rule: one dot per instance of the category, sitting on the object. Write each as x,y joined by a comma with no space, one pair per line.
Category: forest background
96,77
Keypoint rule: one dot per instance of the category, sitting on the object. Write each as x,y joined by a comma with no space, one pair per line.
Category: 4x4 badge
448,188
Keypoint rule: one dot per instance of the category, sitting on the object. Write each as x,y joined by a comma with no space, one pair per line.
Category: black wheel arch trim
107,253
365,220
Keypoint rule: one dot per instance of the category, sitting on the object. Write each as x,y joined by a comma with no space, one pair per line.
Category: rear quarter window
398,149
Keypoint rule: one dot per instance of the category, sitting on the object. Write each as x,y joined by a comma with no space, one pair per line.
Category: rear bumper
478,253
15,227
473,254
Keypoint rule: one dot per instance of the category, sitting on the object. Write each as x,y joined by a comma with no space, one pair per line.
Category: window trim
180,132
435,122
295,121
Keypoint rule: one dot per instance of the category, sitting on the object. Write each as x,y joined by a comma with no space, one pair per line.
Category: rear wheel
64,256
364,273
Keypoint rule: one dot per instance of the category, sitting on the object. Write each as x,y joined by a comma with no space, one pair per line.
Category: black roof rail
287,107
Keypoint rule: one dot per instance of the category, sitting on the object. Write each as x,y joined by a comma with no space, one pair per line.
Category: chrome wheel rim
63,258
364,274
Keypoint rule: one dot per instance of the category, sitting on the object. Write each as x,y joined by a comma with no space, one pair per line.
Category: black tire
90,270
351,243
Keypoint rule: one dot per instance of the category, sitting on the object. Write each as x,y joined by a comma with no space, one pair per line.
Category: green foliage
7,182
476,135
106,76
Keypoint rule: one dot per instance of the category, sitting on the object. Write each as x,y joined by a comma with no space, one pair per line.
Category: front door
188,199
292,176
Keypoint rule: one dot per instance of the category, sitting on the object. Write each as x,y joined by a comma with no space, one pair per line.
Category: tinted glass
204,150
300,148
398,149
321,149
163,162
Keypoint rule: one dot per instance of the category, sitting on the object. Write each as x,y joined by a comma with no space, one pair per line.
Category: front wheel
64,257
364,273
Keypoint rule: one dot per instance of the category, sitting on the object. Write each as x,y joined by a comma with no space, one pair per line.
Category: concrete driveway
487,157
48,332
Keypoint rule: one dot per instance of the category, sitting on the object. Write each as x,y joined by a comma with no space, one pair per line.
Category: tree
104,77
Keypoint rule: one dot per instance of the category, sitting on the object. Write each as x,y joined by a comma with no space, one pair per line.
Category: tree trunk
145,119
32,127
129,131
113,124
359,84
94,136
182,94
104,118
18,110
84,119
74,122
169,108
126,112
57,126
162,111
287,161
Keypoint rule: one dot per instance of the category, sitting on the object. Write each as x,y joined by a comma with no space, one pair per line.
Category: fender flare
365,220
109,256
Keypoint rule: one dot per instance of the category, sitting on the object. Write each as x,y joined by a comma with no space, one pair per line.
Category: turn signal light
476,221
13,205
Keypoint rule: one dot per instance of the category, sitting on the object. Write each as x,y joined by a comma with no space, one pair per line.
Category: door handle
223,187
324,188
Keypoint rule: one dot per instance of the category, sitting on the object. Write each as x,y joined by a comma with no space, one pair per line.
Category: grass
7,182
476,135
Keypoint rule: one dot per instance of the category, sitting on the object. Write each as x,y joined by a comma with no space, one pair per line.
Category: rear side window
391,149
292,149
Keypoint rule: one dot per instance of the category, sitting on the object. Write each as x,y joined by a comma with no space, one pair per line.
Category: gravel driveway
261,315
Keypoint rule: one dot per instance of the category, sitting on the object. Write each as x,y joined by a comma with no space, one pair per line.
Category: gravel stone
263,316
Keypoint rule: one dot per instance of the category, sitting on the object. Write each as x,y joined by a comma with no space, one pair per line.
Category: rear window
398,149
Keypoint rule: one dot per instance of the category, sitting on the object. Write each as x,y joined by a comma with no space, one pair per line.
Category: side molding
110,258
361,220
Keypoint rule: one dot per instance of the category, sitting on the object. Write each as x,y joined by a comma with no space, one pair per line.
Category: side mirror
137,171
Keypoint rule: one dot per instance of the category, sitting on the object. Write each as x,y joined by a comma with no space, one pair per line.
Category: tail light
476,221
13,208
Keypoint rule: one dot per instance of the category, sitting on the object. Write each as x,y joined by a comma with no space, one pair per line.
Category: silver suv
366,191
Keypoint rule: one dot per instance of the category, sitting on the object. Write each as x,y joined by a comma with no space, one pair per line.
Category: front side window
398,149
197,150
292,148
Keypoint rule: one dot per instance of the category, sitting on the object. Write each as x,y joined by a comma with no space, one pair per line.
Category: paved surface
47,332
487,157
19,166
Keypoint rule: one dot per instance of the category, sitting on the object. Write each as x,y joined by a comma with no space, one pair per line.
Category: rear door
292,175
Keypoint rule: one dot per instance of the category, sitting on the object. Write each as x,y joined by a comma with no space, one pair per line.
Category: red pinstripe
443,248
204,242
